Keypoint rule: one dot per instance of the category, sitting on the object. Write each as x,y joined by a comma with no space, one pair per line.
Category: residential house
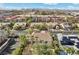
42,37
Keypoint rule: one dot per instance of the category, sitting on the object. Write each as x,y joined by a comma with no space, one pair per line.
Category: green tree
17,27
17,51
8,31
23,44
29,31
57,51
11,25
77,52
43,50
23,40
28,21
70,50
44,13
41,26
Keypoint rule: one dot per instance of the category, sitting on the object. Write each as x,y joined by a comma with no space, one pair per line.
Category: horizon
61,6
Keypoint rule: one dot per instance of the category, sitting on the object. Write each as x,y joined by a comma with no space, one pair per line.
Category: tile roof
43,35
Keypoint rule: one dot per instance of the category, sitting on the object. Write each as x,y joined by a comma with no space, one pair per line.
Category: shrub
17,51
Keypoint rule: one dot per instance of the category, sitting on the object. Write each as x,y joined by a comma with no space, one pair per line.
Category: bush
23,43
41,27
42,50
29,31
77,52
70,50
23,40
11,25
17,27
17,51
28,21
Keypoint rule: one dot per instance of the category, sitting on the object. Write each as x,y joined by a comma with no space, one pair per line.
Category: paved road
64,32
3,32
14,44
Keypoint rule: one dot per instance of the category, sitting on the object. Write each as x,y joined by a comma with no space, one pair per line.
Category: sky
73,6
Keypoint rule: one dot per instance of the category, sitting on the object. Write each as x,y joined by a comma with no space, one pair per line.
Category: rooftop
43,35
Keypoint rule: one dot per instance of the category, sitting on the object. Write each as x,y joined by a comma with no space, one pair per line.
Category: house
42,37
